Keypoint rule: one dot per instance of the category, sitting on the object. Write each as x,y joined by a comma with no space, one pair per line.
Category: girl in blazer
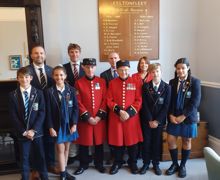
185,100
62,117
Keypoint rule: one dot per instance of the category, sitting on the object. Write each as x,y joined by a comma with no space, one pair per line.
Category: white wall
77,21
208,43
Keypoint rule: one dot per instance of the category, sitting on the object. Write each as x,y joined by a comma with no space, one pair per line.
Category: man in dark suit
42,79
74,71
111,73
73,68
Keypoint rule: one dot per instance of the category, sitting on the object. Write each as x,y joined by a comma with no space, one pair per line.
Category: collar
59,89
28,90
154,84
75,63
90,79
37,67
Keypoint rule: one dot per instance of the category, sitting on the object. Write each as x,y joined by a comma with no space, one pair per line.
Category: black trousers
119,152
152,144
84,156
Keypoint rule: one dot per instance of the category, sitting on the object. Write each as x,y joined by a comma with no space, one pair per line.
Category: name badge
35,106
97,86
161,100
70,103
188,94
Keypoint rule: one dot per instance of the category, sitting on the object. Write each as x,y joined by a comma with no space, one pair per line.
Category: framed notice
15,62
129,27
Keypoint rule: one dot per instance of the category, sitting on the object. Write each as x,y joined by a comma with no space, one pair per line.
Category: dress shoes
71,160
69,176
114,169
35,175
157,170
172,169
80,170
144,169
101,169
53,169
133,168
182,172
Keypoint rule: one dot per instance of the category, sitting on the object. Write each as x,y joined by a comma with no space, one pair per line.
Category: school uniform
35,120
188,105
124,95
91,94
185,100
155,105
62,112
69,71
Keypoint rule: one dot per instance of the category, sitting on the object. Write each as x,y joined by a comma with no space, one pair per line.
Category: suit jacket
35,82
53,107
107,75
155,105
192,97
36,114
70,77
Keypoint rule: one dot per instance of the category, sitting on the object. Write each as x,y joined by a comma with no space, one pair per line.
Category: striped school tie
75,72
42,79
26,102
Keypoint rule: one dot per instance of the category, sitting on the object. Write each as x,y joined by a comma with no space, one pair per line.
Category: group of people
69,105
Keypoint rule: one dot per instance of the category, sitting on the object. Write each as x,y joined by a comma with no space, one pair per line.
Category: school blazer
70,77
36,113
192,97
155,105
35,81
53,107
107,75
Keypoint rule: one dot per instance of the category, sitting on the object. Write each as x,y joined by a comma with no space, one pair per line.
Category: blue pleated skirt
63,136
182,130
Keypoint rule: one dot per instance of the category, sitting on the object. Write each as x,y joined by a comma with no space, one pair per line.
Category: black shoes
80,170
101,169
69,176
157,170
144,169
71,160
114,169
182,172
172,169
133,168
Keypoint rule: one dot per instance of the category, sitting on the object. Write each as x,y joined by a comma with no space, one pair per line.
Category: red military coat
124,95
91,95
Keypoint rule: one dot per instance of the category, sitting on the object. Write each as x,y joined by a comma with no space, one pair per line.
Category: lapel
55,96
19,103
69,71
160,91
81,71
109,74
35,78
32,99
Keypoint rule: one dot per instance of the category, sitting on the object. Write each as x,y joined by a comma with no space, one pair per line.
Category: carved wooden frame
33,19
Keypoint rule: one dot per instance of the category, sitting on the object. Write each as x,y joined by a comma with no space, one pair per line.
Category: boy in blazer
27,112
155,104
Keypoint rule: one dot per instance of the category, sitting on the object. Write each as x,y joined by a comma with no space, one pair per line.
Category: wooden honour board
129,27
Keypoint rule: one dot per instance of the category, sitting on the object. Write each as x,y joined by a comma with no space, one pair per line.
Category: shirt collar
28,90
158,84
37,67
75,63
59,89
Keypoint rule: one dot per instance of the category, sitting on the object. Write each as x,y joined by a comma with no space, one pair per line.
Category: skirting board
214,143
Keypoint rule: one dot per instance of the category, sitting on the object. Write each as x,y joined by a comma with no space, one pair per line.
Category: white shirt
156,85
112,70
77,63
28,91
36,68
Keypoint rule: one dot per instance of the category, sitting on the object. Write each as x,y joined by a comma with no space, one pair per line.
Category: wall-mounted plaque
129,27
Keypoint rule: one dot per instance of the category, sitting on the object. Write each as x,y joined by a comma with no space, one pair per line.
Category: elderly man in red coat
91,95
124,101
